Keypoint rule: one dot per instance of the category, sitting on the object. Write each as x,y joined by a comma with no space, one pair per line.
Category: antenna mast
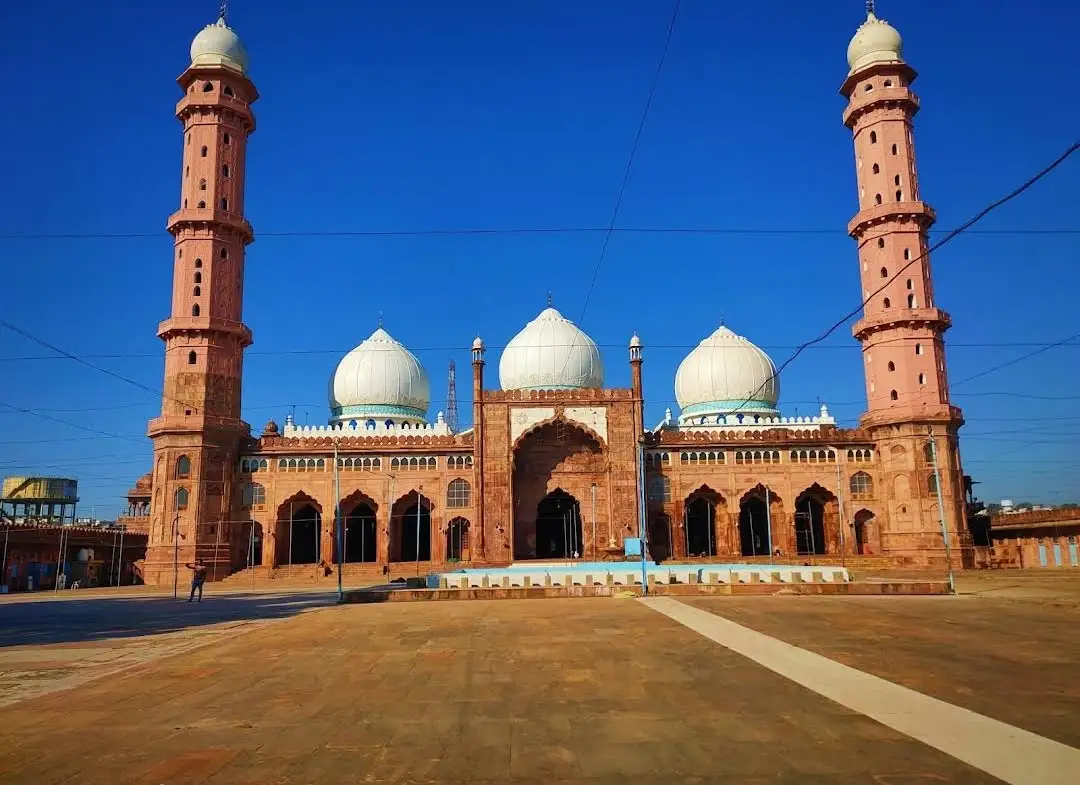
451,398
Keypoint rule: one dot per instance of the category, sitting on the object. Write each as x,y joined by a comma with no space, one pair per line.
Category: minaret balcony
215,102
863,102
186,325
194,423
205,217
934,318
919,212
884,68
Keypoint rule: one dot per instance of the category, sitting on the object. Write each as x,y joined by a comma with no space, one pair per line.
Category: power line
88,364
935,246
519,230
1007,363
71,424
449,348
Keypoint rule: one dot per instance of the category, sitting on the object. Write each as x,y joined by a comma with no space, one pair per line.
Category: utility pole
941,509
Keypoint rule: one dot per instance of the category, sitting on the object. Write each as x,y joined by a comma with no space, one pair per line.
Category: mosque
555,464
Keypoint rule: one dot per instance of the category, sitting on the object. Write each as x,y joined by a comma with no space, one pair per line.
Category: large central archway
360,533
556,465
558,526
410,528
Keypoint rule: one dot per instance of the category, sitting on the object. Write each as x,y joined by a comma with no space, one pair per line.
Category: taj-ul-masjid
556,465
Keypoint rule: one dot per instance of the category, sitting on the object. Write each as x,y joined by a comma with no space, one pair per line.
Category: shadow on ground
81,621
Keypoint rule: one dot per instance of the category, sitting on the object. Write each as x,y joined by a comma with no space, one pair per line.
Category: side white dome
551,353
218,44
724,374
876,41
379,378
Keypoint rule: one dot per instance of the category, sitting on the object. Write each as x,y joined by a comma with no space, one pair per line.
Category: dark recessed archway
754,526
359,534
701,524
304,535
558,526
410,529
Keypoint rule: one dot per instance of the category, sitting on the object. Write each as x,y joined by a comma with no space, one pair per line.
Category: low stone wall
896,588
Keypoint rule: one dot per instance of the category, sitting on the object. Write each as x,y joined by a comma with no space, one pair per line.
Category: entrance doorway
558,526
810,526
304,535
360,534
754,527
700,527
414,526
457,539
660,537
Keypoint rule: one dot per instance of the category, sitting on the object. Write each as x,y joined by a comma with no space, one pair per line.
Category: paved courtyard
291,690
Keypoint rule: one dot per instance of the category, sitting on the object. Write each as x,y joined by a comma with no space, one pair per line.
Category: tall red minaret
197,437
902,329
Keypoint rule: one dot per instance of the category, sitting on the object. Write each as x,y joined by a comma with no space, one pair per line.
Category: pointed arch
299,530
700,512
756,513
552,425
410,527
815,520
359,523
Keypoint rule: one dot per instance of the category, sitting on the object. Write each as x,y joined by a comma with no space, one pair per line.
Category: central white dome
551,353
726,374
379,378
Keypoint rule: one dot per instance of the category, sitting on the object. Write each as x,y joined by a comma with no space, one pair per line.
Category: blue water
602,567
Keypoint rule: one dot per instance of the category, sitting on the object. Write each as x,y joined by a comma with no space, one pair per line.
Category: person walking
198,578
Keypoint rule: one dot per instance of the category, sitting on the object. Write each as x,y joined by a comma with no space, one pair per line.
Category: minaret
902,328
197,436
478,441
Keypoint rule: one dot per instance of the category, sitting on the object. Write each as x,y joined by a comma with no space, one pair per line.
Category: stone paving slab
581,691
1013,661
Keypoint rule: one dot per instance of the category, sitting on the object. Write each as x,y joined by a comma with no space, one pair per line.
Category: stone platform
405,593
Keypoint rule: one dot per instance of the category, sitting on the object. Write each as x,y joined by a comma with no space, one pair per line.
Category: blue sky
482,114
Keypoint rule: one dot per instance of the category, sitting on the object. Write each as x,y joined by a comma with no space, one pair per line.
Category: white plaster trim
522,419
1011,754
592,417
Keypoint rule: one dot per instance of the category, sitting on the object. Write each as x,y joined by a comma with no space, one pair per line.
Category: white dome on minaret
876,41
379,379
726,374
218,44
551,353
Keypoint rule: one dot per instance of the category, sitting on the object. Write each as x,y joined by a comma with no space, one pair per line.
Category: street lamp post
941,508
176,555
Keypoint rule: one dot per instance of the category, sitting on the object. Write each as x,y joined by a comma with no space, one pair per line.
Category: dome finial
722,320
870,8
380,320
549,298
223,11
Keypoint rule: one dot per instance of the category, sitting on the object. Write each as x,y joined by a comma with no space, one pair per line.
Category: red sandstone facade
561,472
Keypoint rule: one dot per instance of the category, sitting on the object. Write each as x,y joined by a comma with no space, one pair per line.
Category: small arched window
896,180
877,169
198,277
884,272
918,348
202,185
887,302
931,483
893,395
191,358
877,198
197,291
894,150
185,204
183,467
224,254
201,205
909,284
907,253
873,137
892,366
195,309
899,196
911,301
224,204
228,91
881,242
868,88
208,87
198,263
224,170
181,499
888,82
861,484
922,379
203,152
226,139
458,493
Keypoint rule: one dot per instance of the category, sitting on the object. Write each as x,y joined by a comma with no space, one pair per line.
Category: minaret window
181,498
185,204
877,169
868,88
896,180
884,272
197,292
931,483
910,284
877,198
202,185
892,366
893,396
226,139
899,196
907,253
183,467
195,310
201,205
911,301
873,137
881,242
224,204
198,277
191,358
922,379
208,87
203,151
224,253
894,150
225,172
886,302
228,91
888,82
187,171
198,263
918,348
